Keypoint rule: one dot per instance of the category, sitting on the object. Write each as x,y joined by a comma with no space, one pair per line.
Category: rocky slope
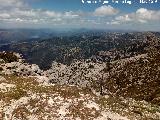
73,92
135,77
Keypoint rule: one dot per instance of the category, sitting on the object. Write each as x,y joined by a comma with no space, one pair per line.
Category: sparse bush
8,57
91,66
1,68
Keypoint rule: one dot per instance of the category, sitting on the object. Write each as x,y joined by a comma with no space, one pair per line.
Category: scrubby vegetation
8,57
138,79
67,102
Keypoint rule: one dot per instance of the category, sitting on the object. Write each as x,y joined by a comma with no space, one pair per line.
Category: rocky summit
83,90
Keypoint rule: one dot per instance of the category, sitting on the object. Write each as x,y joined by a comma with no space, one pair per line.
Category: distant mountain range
16,35
101,46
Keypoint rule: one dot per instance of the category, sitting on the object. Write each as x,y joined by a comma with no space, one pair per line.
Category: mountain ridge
84,89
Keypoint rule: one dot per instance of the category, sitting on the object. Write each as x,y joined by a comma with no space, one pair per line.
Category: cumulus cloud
105,11
18,11
147,15
142,15
37,16
124,18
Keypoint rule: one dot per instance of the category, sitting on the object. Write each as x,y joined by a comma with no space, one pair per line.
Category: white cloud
18,12
19,20
12,4
4,15
50,13
70,14
142,15
147,15
124,18
40,17
105,11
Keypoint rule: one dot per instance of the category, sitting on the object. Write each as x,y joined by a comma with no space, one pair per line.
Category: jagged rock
21,69
2,79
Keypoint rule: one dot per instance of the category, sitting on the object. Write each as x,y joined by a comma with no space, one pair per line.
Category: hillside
26,98
100,46
134,77
125,89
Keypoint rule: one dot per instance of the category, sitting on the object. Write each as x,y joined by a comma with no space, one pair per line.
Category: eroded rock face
81,73
20,68
14,64
86,73
136,77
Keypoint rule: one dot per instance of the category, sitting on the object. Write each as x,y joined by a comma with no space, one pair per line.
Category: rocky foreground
71,92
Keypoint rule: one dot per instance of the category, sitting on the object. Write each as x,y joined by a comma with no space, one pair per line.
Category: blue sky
65,5
75,14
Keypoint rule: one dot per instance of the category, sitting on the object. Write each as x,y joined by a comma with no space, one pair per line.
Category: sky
64,14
